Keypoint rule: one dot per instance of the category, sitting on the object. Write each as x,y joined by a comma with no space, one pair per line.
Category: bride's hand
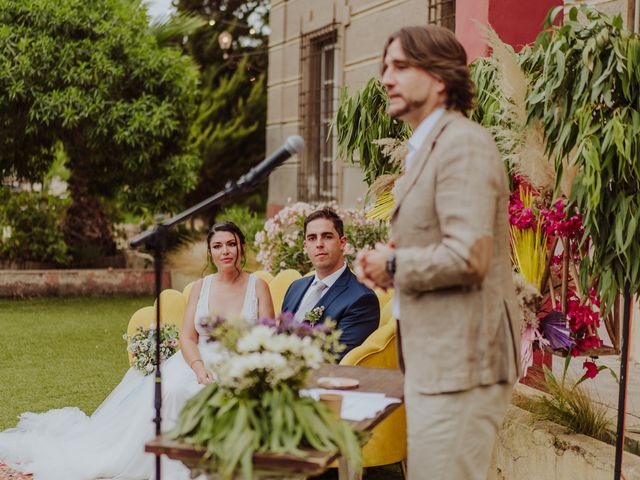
203,375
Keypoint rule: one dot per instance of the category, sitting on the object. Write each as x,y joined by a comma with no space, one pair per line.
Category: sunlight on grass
57,352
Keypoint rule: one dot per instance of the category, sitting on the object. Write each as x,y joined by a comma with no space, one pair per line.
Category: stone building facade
318,47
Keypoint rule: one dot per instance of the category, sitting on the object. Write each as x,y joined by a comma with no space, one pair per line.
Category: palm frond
173,28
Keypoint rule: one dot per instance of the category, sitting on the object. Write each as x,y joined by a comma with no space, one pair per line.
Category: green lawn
57,352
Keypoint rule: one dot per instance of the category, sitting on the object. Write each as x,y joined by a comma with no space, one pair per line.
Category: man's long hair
436,50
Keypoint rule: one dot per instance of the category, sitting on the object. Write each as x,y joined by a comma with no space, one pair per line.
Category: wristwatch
391,264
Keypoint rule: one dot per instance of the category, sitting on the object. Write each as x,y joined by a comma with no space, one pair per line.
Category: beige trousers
451,435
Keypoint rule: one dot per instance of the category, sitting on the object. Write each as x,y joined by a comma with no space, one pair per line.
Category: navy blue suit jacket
353,306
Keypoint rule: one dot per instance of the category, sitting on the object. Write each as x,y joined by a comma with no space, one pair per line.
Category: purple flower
554,326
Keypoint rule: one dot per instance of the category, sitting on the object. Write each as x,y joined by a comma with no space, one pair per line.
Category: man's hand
371,266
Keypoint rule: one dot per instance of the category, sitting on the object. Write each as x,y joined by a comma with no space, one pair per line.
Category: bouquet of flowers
546,244
142,346
280,244
254,403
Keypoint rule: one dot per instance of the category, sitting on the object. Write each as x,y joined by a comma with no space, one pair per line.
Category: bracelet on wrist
194,361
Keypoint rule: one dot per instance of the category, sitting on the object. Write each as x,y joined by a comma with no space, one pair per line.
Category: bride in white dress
66,444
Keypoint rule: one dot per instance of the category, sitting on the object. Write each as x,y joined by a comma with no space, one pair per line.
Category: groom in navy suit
334,291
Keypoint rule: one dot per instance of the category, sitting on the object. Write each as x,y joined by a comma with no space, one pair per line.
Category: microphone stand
156,239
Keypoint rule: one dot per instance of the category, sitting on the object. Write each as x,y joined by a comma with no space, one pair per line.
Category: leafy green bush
31,227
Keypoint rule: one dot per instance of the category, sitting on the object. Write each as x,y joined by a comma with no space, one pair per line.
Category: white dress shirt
329,280
415,142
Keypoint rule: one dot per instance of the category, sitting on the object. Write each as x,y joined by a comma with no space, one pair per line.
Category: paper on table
356,406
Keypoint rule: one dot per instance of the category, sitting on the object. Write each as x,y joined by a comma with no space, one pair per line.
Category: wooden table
268,465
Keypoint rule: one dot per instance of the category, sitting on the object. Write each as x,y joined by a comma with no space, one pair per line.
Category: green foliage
30,227
230,122
249,222
361,119
229,128
173,30
487,107
586,92
232,428
91,77
247,22
572,407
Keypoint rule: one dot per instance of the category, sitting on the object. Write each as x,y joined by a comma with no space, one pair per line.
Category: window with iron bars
318,98
443,13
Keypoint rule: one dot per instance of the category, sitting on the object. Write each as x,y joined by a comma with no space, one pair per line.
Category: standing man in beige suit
448,261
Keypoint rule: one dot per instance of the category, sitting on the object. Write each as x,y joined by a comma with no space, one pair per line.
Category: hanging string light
224,40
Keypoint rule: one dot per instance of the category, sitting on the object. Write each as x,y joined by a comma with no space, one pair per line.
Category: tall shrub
91,77
31,227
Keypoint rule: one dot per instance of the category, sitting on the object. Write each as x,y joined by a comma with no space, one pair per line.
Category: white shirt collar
420,134
329,280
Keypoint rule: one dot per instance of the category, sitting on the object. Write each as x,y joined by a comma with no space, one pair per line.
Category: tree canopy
229,129
91,77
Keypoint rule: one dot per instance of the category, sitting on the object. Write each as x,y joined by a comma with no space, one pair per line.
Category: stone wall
538,450
31,283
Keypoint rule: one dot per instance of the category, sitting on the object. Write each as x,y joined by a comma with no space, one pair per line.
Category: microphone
293,145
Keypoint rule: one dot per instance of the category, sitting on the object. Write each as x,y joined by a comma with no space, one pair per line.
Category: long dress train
66,444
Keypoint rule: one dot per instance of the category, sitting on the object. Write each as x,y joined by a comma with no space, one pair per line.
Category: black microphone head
294,144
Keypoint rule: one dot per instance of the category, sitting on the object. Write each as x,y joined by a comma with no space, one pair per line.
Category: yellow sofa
388,441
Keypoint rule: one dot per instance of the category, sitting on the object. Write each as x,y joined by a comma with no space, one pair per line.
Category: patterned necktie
310,299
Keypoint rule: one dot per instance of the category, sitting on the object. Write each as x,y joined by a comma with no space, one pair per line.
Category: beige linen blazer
460,322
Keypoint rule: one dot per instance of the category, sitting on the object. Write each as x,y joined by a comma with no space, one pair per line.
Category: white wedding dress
66,444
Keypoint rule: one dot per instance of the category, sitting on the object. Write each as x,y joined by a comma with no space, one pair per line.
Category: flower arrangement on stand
142,346
547,242
280,244
254,403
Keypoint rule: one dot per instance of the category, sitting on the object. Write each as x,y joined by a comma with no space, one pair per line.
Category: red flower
561,223
522,218
592,369
588,343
